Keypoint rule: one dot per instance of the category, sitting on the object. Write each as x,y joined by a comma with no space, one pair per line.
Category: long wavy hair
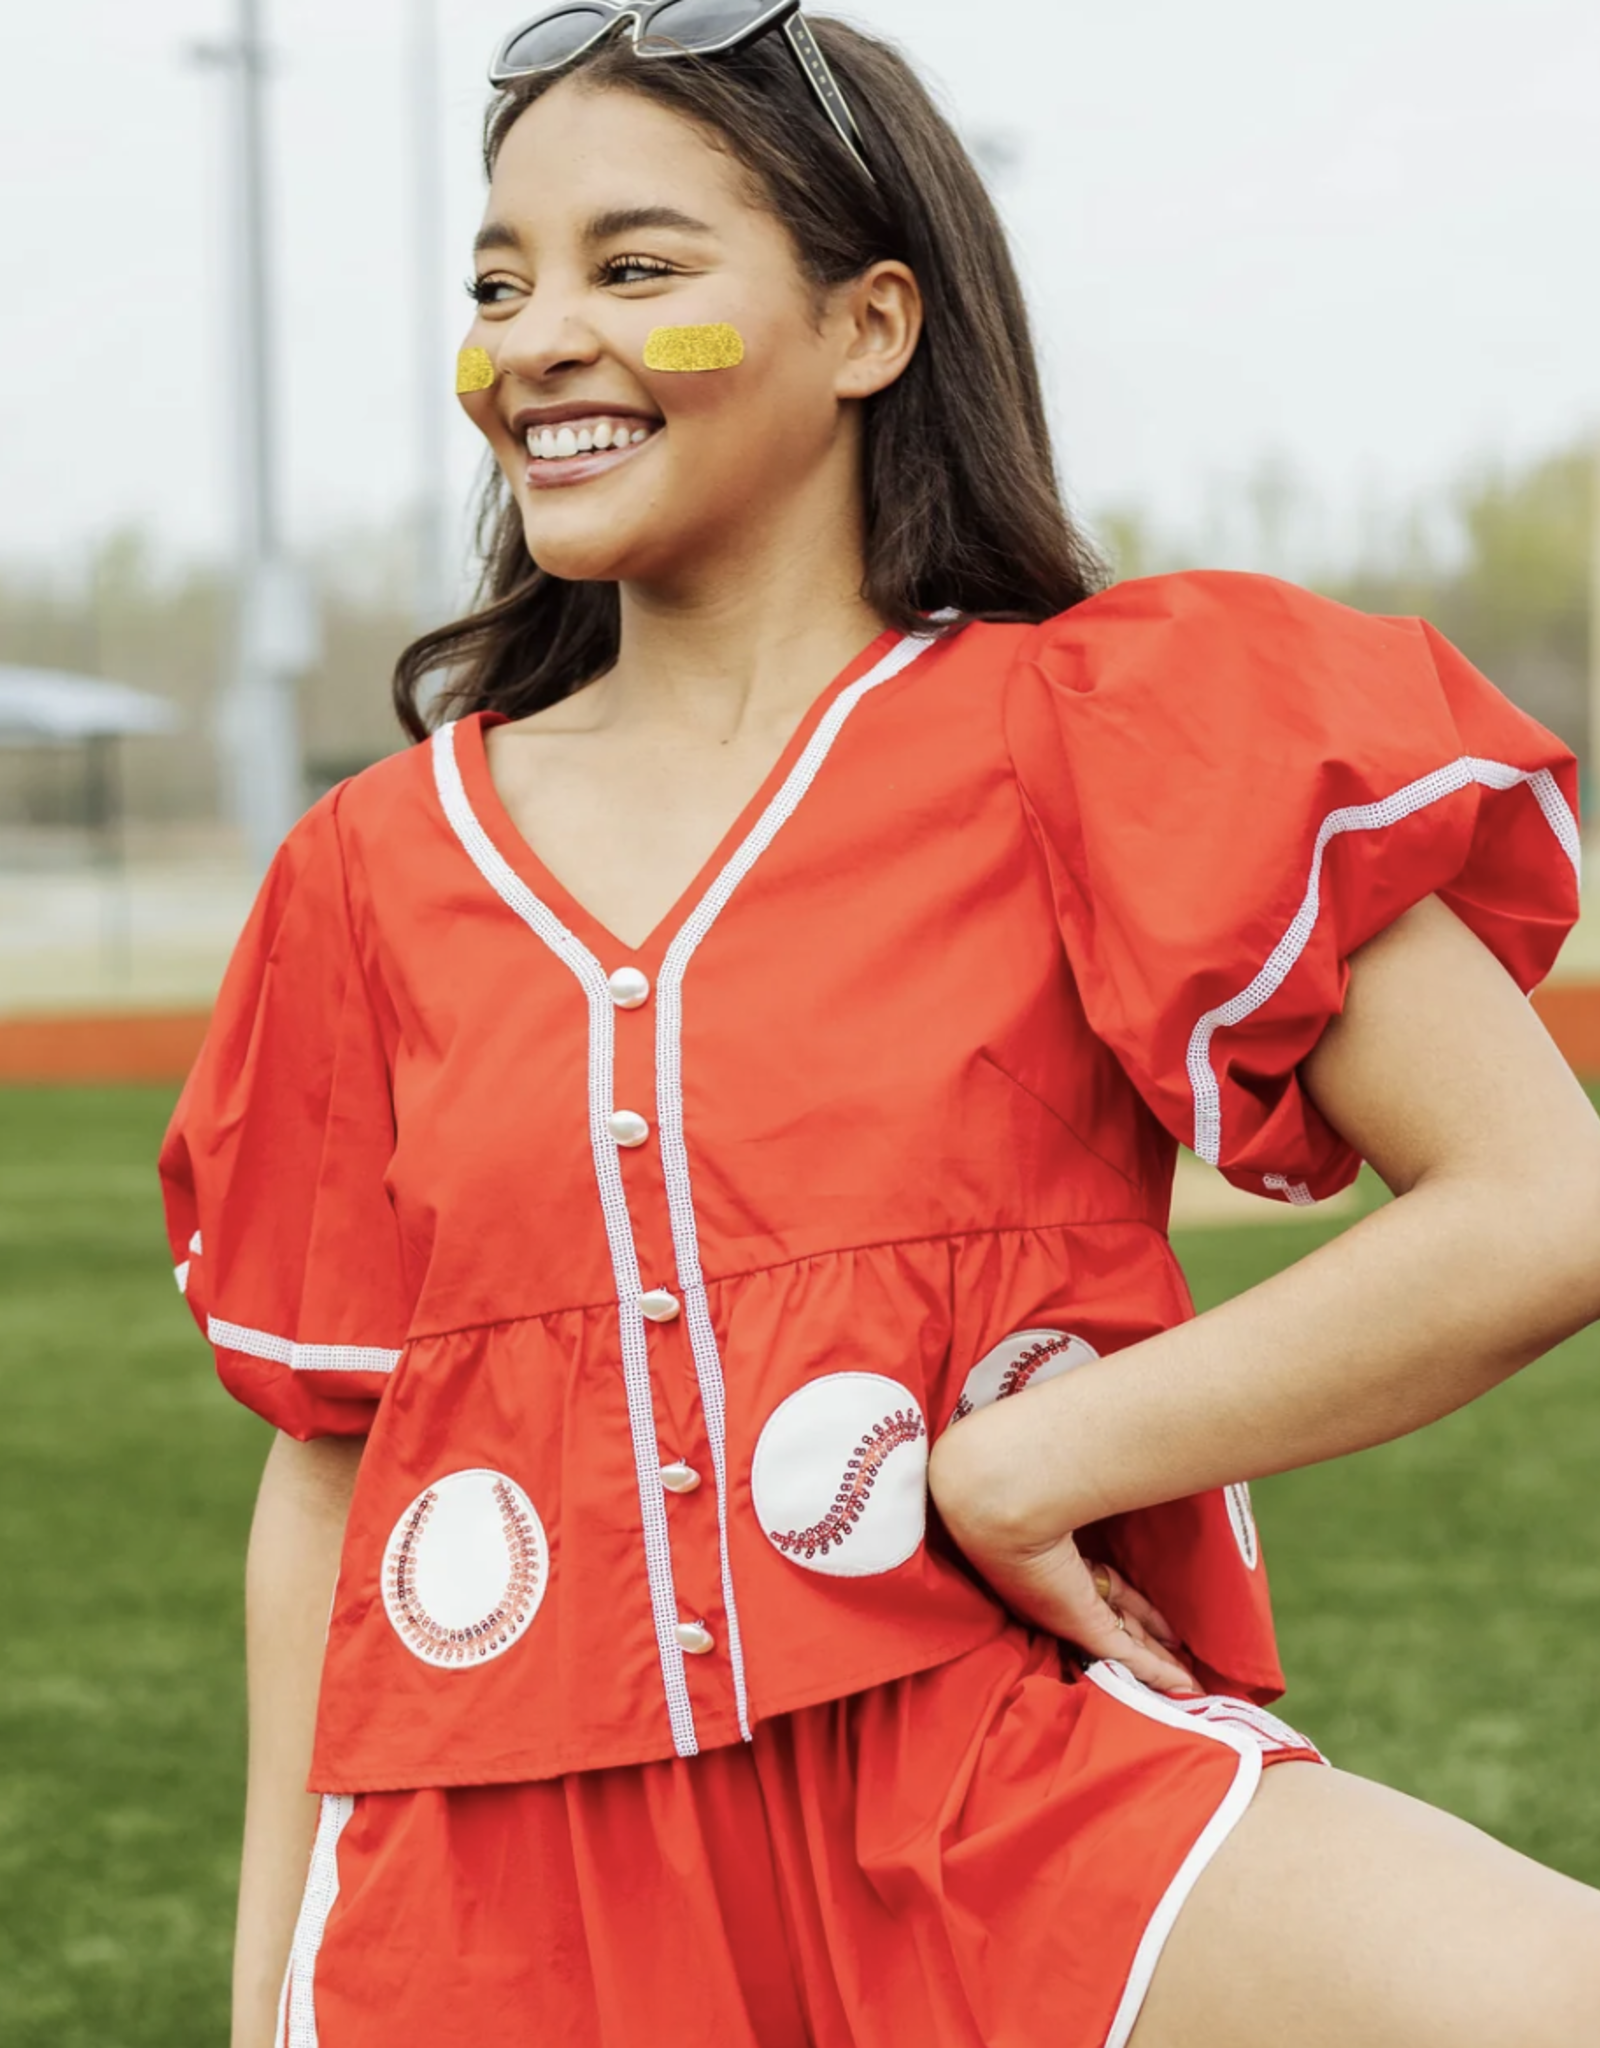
962,508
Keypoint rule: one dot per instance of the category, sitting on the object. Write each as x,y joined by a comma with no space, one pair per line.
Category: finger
1156,1665
1132,1645
1149,1616
1117,1592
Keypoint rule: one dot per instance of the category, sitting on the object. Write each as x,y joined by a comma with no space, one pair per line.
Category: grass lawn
1439,1598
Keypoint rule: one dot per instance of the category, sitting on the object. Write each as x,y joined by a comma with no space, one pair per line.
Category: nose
547,336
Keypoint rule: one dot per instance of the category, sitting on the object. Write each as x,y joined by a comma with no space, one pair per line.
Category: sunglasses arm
826,87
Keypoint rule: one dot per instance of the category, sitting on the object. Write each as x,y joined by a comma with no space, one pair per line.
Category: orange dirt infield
159,1045
133,1045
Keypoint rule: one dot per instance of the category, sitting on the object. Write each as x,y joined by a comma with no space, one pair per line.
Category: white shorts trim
1120,1684
297,2009
299,1357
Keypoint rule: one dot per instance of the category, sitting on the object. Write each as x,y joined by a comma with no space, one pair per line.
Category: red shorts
986,1855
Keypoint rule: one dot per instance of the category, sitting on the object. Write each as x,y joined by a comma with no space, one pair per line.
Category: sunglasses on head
566,29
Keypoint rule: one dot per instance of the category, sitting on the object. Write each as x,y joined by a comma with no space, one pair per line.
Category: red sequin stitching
904,1426
462,1645
1017,1375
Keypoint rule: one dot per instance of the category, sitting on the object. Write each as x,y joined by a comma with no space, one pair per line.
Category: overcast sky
1366,239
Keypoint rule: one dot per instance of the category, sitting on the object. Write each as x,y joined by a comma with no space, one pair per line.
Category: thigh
1340,1914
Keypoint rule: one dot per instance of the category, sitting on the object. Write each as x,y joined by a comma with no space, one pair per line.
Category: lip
549,473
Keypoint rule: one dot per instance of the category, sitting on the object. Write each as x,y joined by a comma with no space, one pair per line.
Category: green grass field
1440,1599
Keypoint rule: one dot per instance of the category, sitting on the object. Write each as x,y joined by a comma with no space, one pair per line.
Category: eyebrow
601,227
625,220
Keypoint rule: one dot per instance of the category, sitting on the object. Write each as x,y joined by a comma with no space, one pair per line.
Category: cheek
743,365
479,407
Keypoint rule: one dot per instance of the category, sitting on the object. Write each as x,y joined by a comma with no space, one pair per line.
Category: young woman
683,1157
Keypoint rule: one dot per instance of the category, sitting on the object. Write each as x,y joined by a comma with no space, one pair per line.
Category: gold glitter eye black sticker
474,371
714,347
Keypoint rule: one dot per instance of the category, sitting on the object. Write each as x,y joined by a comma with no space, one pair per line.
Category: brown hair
961,502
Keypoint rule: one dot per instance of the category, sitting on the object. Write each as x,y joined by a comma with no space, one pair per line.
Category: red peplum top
651,1272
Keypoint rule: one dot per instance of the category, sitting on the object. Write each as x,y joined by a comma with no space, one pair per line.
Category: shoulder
369,800
1210,668
1209,630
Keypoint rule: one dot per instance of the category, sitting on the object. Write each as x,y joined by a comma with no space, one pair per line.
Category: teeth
554,444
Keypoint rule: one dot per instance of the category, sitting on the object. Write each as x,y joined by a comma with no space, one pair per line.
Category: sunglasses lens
550,41
702,24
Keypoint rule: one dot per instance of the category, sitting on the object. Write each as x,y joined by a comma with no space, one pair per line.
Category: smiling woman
705,1122
772,228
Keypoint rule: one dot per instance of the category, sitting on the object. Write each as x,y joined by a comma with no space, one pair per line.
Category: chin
575,557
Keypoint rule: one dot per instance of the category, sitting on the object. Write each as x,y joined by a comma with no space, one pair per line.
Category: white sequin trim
1242,1520
299,1357
1390,810
669,1102
591,978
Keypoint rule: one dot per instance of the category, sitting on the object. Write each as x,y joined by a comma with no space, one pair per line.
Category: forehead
578,151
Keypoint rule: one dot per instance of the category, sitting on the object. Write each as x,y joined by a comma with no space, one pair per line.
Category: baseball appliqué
1241,1517
840,1477
465,1569
1018,1361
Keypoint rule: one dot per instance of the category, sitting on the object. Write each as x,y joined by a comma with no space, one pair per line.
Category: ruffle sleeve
273,1167
1236,784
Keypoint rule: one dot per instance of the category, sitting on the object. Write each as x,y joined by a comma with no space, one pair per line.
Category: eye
489,291
642,267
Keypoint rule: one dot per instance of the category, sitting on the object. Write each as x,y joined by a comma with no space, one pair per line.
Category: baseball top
651,1272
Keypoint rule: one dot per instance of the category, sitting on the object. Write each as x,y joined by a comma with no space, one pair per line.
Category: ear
879,320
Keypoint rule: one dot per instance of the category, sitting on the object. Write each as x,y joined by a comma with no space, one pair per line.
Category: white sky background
1363,240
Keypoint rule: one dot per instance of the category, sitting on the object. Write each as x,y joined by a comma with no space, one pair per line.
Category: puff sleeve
1236,784
273,1166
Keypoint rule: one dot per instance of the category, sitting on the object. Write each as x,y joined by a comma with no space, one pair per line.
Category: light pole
274,630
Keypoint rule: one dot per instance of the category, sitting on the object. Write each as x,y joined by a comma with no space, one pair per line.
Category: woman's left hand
1044,1578
1089,1604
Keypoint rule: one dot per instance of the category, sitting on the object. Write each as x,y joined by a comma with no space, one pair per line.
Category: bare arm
1440,1074
295,1542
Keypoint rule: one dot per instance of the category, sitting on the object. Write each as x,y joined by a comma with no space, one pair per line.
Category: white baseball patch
1241,1517
840,1477
1018,1361
465,1569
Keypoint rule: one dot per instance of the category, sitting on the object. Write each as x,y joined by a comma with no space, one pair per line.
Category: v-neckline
519,855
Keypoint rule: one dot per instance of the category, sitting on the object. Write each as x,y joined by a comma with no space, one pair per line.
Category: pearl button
629,988
658,1306
627,1126
679,1477
695,1637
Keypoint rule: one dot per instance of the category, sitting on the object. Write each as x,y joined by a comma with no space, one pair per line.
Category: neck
750,642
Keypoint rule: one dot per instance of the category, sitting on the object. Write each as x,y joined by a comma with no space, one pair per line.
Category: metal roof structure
42,707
